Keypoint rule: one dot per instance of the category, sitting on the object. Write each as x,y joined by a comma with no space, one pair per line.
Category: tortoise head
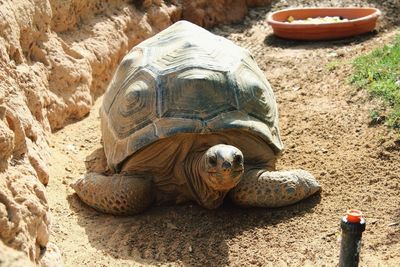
224,166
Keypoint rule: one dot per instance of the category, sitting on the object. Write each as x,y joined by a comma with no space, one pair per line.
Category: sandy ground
325,126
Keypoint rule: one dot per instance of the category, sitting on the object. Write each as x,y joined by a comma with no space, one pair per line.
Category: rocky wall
56,58
210,13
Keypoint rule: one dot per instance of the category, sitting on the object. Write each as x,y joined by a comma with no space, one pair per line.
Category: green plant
332,65
376,117
379,73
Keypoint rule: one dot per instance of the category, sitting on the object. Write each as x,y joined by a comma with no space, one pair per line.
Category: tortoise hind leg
262,188
116,194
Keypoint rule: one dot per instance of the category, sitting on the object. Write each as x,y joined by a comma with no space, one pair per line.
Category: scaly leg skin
262,188
117,194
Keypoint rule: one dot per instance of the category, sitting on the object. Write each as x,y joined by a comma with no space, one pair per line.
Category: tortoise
189,116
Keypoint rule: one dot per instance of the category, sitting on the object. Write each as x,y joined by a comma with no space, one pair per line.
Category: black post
352,227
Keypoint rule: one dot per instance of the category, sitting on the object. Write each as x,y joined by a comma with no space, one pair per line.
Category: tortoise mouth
224,181
231,173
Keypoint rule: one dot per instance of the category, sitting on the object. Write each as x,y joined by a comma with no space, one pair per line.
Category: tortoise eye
212,160
237,159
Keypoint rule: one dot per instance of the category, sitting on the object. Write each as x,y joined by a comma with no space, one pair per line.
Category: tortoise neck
195,174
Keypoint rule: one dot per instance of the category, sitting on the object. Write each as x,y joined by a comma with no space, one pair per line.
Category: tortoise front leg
262,188
116,194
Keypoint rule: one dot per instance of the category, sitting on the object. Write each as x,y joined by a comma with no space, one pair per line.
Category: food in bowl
317,20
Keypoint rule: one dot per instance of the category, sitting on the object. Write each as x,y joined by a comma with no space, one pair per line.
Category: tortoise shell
185,80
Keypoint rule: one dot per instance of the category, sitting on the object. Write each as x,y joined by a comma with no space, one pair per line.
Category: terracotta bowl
361,20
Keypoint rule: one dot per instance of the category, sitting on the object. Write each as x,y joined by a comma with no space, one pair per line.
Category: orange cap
354,216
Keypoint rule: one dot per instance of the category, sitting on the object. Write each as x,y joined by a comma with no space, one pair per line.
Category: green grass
333,65
379,73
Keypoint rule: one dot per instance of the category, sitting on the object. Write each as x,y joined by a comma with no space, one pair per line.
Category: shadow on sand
186,233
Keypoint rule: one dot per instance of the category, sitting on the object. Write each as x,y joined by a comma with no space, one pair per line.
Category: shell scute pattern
136,104
196,94
185,80
129,64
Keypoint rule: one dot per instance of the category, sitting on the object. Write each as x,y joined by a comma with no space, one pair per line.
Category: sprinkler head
354,216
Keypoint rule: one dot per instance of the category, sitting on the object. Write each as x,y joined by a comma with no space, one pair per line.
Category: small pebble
367,199
296,88
171,226
332,54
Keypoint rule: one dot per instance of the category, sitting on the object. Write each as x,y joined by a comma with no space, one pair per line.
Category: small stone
68,169
330,234
71,148
384,154
296,88
190,249
171,226
332,54
367,199
372,221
